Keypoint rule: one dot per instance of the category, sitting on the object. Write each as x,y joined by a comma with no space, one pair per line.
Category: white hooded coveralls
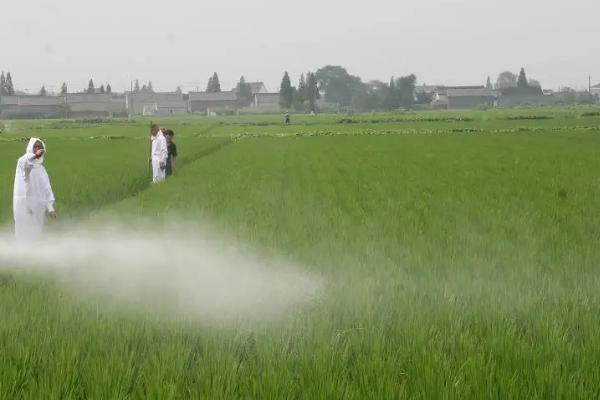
159,155
32,196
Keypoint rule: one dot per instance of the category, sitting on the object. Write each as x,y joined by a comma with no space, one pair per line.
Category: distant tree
10,88
178,90
102,89
91,89
63,89
370,96
300,93
534,83
488,84
405,87
244,93
3,91
312,91
286,92
108,89
390,95
213,84
424,97
337,84
585,98
136,88
505,80
149,88
144,89
362,99
522,80
43,91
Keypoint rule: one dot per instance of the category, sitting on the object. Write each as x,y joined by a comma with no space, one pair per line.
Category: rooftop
479,92
217,96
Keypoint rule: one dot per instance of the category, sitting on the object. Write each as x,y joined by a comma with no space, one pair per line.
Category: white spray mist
176,271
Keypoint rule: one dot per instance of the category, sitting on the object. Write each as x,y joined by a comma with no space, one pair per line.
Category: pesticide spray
173,272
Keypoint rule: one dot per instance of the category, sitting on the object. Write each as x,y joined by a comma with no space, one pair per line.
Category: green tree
286,92
300,94
213,84
102,89
3,91
585,98
371,96
337,84
216,83
149,88
522,80
63,89
10,88
244,93
405,89
43,91
505,80
108,89
312,91
534,83
488,84
390,96
136,88
91,89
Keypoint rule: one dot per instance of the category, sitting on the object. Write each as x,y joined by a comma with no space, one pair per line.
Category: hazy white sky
182,42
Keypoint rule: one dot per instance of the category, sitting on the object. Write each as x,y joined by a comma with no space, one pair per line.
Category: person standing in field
287,117
159,154
33,198
172,152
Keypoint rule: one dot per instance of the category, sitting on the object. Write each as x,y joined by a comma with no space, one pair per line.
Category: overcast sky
182,42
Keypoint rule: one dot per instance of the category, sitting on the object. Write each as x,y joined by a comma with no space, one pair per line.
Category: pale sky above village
182,42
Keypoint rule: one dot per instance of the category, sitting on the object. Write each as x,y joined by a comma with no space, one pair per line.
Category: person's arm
173,157
164,153
49,197
31,159
25,166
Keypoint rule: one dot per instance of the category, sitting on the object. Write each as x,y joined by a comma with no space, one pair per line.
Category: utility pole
131,99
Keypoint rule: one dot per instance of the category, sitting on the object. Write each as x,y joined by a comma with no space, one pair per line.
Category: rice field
458,254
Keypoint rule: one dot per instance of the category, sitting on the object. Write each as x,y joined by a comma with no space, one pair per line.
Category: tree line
508,79
346,90
7,87
332,82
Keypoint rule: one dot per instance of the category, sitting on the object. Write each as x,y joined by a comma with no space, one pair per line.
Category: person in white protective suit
159,154
33,198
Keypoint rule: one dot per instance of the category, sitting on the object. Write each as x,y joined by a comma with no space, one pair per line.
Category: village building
440,95
469,98
268,101
524,96
32,107
203,102
257,87
160,104
595,91
99,105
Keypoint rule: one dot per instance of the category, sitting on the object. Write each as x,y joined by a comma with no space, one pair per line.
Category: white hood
29,149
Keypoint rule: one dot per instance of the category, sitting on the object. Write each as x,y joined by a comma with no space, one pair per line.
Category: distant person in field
172,152
287,117
159,154
33,198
